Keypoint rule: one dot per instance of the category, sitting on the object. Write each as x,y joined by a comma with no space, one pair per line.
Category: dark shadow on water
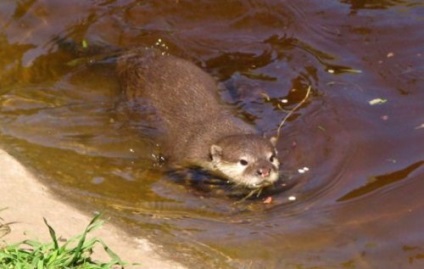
381,181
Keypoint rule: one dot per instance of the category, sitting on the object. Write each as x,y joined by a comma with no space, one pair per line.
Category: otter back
184,96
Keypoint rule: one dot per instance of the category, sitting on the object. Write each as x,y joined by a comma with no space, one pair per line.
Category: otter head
247,160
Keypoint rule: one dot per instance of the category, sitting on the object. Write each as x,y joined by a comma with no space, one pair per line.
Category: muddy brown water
360,204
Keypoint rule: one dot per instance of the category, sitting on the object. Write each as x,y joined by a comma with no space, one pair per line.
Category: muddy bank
27,201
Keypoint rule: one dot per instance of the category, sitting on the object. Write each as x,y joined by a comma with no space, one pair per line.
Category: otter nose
264,172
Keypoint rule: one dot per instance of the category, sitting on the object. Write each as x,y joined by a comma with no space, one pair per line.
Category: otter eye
243,162
271,159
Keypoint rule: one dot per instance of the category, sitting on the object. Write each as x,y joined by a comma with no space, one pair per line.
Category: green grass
74,253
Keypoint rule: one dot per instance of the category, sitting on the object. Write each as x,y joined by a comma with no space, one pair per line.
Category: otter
199,130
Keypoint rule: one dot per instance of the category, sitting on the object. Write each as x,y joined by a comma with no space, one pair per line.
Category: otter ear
216,153
273,140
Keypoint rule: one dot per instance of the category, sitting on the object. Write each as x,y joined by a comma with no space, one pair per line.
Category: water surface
360,133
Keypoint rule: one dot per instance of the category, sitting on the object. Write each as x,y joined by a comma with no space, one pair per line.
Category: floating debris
265,96
420,126
84,43
268,200
377,101
341,69
303,170
163,45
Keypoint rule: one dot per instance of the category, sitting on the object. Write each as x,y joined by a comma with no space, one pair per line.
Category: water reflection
377,4
381,181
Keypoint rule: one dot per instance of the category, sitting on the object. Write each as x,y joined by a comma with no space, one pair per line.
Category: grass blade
52,234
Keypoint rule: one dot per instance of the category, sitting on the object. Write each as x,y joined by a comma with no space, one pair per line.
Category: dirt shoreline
27,201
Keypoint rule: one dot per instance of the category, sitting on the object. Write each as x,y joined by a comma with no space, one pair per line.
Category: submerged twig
292,111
